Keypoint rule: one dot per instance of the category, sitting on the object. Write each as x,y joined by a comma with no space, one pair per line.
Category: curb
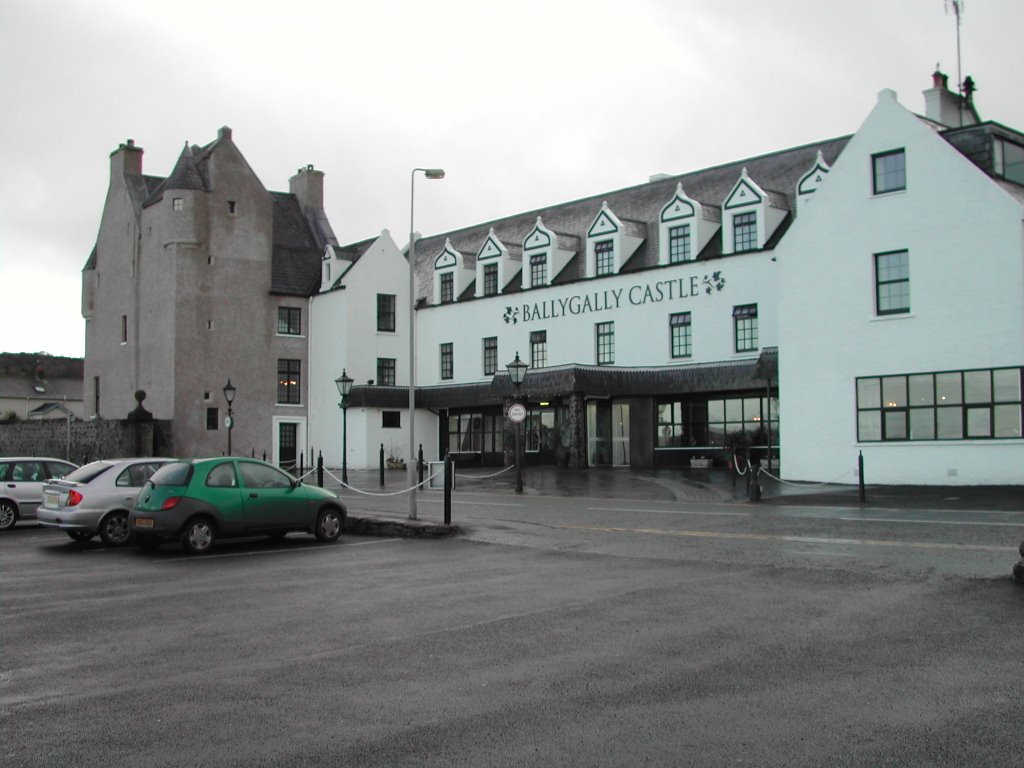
379,526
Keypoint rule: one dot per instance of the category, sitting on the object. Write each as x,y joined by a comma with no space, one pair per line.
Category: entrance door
607,433
287,440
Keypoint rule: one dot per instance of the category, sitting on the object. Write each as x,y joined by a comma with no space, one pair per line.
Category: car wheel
199,535
8,515
328,525
80,535
114,529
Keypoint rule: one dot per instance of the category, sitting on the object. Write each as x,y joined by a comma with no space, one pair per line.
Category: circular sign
228,422
517,413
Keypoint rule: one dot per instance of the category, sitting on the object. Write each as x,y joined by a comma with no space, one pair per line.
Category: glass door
607,433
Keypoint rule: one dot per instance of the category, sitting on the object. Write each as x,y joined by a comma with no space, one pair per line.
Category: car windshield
88,473
176,473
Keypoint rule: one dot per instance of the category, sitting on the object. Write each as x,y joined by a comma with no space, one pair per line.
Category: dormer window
495,266
451,277
679,248
1008,160
546,254
610,243
539,269
753,214
490,279
604,255
744,232
684,228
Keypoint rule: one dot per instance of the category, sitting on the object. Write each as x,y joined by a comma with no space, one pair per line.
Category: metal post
382,465
419,465
344,440
412,344
448,471
860,477
320,470
519,459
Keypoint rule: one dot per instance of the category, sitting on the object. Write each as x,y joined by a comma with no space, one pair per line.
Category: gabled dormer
610,242
750,215
684,228
496,265
334,263
545,254
811,180
451,275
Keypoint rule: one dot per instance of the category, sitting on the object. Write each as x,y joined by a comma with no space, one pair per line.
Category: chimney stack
308,186
942,105
126,160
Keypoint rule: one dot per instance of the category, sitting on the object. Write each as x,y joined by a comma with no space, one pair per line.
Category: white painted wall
964,236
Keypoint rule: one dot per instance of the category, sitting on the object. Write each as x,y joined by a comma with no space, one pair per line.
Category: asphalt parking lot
546,634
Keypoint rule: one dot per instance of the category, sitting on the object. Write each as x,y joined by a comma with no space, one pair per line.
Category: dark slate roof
295,270
548,383
185,175
776,173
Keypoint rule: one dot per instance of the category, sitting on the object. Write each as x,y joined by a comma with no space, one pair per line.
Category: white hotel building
861,294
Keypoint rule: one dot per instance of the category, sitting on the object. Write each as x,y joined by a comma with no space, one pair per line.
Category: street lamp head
229,392
517,370
434,173
344,383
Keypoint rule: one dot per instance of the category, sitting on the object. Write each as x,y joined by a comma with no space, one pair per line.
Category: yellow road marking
796,539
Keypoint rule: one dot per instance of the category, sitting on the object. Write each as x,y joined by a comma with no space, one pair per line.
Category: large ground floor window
475,433
951,405
715,422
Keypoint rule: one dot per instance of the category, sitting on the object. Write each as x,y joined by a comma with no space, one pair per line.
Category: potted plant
395,460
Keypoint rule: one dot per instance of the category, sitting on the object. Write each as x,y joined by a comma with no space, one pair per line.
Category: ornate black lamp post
344,383
229,422
517,372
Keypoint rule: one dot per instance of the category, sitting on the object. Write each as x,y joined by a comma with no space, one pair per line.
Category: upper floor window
490,355
745,327
447,288
490,280
386,371
538,349
605,340
744,232
680,331
604,253
892,282
889,171
538,269
289,321
124,329
1009,160
385,312
289,382
177,204
447,360
679,244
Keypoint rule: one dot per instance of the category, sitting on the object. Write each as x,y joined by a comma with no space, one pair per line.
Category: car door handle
254,495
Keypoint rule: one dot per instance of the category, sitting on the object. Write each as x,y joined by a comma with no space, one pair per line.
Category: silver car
96,499
21,485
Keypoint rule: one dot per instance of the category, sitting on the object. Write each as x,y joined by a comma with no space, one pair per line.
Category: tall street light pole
430,173
517,372
229,422
344,383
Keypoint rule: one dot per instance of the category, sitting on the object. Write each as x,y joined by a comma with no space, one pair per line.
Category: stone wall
81,441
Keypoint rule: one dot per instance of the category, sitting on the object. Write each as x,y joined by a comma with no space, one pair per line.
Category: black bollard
449,470
419,466
320,470
382,465
860,477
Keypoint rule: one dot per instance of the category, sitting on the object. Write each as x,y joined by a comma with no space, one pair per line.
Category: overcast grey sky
524,104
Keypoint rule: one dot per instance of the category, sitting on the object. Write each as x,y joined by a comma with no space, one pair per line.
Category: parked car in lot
200,500
1018,568
97,498
21,486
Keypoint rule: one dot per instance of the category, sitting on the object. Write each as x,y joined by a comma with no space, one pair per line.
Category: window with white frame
538,269
744,232
679,248
604,254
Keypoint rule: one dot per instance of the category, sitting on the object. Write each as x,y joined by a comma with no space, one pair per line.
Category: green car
200,500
